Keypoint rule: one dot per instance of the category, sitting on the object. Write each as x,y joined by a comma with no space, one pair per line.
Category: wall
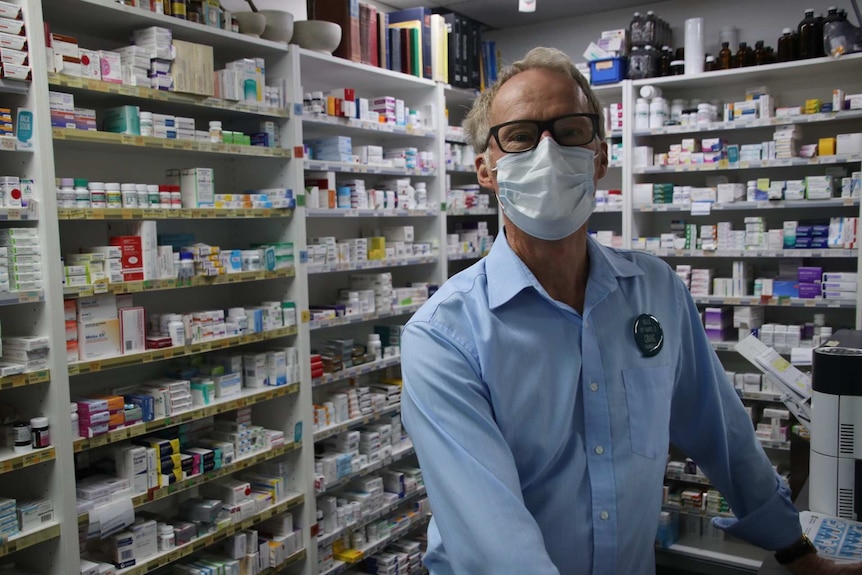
764,22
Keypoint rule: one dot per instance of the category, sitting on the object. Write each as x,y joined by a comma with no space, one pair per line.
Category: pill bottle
657,113
66,193
317,103
187,265
375,348
129,195
141,194
153,196
23,441
164,197
215,132
421,196
166,537
82,194
98,198
146,120
40,432
642,115
176,198
113,195
73,410
177,331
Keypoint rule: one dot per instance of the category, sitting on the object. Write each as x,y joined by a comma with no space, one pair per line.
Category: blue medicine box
608,71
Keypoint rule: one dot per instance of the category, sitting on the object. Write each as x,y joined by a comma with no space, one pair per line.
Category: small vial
146,121
142,195
215,132
82,194
129,195
113,195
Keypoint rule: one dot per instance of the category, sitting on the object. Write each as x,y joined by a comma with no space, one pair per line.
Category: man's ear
602,161
483,171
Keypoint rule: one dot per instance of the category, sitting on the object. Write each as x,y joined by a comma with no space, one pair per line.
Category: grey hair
477,123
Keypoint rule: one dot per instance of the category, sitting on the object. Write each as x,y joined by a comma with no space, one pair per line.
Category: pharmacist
544,384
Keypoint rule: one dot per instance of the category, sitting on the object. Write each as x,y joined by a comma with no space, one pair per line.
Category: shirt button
594,386
600,449
604,515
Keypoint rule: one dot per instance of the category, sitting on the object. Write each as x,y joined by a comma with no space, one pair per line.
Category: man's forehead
528,87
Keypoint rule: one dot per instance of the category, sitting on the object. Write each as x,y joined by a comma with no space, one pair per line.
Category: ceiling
504,13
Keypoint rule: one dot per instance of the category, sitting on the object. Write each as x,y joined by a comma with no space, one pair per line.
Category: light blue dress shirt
543,433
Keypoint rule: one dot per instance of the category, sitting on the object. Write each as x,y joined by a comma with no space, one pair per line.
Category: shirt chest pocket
649,392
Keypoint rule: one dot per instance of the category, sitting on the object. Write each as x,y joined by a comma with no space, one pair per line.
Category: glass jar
40,432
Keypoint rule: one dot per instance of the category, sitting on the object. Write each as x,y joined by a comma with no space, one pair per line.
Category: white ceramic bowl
279,25
317,35
251,23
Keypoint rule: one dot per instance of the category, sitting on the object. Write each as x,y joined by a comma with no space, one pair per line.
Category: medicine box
198,187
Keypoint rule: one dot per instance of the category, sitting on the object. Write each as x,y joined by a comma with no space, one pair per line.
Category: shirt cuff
773,526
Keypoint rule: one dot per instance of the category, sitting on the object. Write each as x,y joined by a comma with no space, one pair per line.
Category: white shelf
730,347
19,87
104,18
806,72
356,371
732,553
24,539
818,253
402,453
687,478
341,427
370,213
347,126
362,318
344,168
691,511
319,70
459,97
776,302
327,538
455,212
466,256
831,203
841,116
461,169
370,265
723,166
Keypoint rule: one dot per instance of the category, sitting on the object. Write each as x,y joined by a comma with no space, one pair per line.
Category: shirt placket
597,430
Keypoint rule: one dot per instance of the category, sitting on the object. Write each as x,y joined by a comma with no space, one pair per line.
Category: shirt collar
508,275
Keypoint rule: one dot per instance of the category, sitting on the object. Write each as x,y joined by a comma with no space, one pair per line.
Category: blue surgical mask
549,192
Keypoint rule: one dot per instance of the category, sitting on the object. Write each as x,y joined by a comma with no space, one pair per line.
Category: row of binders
431,43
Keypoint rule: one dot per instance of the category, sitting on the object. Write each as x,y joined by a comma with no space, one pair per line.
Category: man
544,383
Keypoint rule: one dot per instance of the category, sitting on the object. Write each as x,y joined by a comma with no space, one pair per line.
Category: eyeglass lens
525,135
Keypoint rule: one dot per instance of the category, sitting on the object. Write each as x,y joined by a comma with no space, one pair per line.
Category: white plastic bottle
657,113
642,115
375,348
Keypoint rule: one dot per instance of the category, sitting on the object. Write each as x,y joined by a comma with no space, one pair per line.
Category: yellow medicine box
826,147
812,106
377,243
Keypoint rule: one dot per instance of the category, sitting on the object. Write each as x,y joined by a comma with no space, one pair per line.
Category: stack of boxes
408,158
773,426
717,321
786,140
16,57
8,518
7,129
100,414
748,320
157,46
20,260
466,197
381,287
840,285
332,149
98,327
30,352
135,62
391,110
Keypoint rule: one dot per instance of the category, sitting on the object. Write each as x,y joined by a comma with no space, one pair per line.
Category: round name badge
648,335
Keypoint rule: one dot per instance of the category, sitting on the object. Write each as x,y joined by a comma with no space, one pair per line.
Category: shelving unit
100,156
790,83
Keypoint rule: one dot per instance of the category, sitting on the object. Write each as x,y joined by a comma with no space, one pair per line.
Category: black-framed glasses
523,135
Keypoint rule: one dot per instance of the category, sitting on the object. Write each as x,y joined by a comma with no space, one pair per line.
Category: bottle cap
67,182
80,183
39,422
787,31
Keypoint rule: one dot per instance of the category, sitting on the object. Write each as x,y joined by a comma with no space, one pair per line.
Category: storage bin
608,71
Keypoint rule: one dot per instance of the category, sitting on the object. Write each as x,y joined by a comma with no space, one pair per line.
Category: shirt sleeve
468,468
710,424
